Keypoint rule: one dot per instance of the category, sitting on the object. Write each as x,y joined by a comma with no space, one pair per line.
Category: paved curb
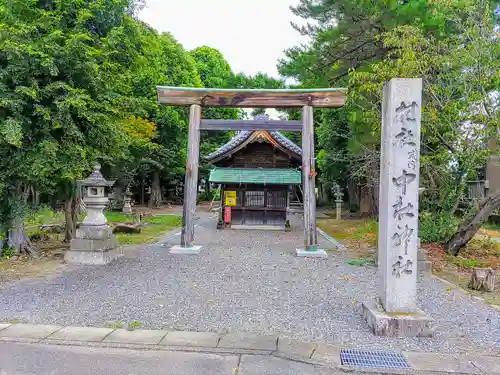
238,343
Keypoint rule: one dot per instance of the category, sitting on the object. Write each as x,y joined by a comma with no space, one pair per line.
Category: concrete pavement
51,349
36,359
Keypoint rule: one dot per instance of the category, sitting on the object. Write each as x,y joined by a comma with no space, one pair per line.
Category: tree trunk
16,236
26,194
70,218
155,200
19,241
482,279
468,229
142,192
373,182
365,202
352,193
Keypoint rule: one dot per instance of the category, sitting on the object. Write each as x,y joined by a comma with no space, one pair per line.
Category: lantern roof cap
96,178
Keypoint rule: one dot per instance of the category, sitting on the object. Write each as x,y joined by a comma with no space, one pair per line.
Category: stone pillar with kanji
394,311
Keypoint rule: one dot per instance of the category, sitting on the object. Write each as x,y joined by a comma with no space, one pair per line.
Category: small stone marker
396,311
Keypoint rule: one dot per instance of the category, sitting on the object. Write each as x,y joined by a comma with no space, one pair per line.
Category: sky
250,34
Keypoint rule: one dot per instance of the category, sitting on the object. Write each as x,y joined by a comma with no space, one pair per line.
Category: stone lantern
95,242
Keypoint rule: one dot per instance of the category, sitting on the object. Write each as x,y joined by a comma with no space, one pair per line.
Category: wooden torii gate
196,98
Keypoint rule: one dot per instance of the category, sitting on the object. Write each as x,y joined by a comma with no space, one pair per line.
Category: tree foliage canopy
452,45
78,85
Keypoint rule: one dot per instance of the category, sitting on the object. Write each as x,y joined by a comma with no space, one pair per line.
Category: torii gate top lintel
252,98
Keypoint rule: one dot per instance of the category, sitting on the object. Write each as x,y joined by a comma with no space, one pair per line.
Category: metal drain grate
365,359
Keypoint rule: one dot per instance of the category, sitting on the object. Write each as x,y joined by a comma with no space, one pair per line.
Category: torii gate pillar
190,185
310,248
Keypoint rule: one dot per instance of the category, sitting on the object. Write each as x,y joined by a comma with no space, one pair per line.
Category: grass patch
113,325
118,217
153,228
357,233
132,326
466,263
360,262
44,215
367,231
492,227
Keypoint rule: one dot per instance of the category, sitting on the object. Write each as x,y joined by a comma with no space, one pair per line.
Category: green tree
143,60
361,45
55,122
214,72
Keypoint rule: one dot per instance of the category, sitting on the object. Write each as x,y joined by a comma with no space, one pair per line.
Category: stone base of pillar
311,254
424,266
179,249
96,258
127,209
93,245
401,325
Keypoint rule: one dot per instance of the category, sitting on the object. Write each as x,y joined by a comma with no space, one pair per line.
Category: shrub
436,227
8,252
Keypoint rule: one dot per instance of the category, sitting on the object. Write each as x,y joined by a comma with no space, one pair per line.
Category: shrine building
259,173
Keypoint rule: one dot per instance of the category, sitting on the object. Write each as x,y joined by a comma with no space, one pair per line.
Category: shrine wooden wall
259,155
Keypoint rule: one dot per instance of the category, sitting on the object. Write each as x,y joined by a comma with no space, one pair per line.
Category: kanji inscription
402,181
400,210
403,209
412,159
406,113
402,267
404,138
404,237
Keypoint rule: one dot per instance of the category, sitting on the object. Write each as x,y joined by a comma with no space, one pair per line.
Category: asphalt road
35,359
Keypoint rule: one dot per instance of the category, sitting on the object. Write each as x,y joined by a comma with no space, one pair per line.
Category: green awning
255,176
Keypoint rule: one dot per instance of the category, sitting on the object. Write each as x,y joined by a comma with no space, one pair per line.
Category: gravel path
244,281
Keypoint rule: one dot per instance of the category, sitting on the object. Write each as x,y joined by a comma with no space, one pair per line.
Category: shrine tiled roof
285,142
238,139
242,136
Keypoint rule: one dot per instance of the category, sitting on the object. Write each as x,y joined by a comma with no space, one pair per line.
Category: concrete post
398,214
